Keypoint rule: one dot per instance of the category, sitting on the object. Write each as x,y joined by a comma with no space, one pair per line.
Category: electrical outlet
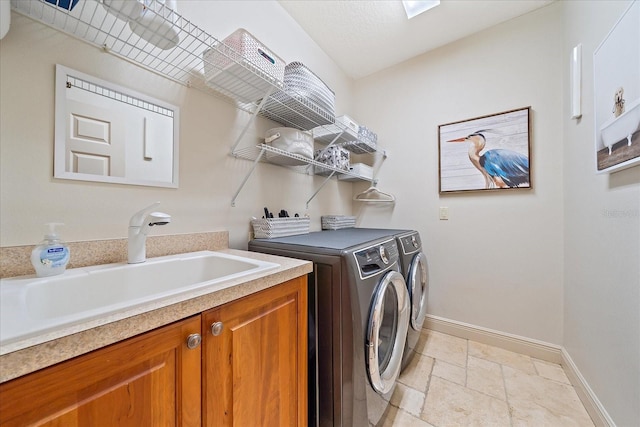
444,213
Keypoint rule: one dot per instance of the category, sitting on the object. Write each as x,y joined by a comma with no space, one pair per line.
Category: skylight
416,7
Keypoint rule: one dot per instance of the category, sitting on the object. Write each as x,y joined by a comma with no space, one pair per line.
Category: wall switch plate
444,213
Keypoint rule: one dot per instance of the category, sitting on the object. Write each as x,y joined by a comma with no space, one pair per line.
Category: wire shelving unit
185,63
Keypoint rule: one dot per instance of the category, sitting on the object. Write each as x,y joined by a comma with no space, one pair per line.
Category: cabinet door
149,380
255,368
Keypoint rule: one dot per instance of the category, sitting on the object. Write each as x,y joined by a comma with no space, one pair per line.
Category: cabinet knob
216,328
193,341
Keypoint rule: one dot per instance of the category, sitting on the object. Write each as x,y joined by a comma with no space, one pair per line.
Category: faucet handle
138,217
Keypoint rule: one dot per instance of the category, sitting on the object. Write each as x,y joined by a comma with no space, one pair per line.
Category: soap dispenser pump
51,256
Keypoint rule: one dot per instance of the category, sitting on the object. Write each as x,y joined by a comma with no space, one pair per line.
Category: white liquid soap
51,256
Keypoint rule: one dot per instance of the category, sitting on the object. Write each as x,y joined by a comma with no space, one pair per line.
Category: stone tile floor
457,382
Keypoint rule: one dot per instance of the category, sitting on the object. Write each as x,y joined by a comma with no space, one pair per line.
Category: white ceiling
365,36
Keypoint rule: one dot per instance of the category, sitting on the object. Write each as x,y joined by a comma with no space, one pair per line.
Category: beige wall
497,262
602,239
552,263
208,175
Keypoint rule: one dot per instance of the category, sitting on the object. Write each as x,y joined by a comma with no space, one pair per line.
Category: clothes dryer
416,275
359,313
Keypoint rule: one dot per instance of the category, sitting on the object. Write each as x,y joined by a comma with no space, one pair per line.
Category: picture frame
487,153
616,67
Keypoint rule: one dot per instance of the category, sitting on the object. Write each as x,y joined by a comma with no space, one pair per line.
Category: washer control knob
383,255
414,242
193,341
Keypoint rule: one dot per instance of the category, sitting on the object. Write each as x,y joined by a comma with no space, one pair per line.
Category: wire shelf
270,154
185,63
90,22
182,52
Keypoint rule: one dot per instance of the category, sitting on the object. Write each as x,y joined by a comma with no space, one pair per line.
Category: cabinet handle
216,328
193,341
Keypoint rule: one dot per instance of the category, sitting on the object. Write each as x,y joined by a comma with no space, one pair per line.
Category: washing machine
359,312
414,268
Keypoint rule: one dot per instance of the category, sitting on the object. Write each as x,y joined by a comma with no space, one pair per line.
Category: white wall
497,262
560,263
602,239
208,175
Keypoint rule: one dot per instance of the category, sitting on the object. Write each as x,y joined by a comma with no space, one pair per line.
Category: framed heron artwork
488,153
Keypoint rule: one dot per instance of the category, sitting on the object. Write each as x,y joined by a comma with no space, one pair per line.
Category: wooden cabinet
254,372
153,379
255,359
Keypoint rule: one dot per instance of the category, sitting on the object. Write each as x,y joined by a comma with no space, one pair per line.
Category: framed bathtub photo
488,153
616,71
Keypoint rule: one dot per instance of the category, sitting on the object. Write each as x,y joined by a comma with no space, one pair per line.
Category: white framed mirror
107,133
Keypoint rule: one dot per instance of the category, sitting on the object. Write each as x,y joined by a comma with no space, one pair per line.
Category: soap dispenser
51,256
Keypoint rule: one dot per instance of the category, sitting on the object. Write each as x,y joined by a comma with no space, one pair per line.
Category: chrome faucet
139,227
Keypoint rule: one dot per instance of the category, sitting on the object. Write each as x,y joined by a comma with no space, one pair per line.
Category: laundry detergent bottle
51,256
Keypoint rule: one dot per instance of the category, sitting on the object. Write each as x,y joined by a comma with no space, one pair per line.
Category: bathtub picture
617,94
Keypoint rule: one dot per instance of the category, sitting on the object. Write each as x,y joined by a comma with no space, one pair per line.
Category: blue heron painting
501,168
494,156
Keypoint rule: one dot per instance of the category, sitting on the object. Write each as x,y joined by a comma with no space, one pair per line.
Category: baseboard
597,412
534,348
530,347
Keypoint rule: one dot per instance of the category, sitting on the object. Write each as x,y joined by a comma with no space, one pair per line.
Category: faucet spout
139,225
138,218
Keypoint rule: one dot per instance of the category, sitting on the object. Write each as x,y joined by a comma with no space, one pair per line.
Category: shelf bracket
310,168
332,143
251,119
246,178
320,188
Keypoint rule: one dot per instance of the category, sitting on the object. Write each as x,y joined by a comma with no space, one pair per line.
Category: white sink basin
30,306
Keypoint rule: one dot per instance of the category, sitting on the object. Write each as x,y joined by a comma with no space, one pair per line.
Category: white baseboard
592,404
515,343
530,347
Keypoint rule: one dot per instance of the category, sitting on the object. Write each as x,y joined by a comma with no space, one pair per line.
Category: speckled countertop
46,349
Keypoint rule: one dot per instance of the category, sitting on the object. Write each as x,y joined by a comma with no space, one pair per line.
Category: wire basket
291,109
337,222
242,58
280,227
303,81
305,102
360,146
334,157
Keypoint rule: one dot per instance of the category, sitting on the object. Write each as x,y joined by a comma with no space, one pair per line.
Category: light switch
444,212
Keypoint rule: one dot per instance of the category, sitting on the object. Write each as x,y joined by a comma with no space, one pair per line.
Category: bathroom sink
30,306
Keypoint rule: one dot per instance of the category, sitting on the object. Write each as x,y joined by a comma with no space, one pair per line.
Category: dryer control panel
411,243
377,258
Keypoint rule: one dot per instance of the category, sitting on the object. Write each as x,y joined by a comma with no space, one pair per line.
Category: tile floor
457,382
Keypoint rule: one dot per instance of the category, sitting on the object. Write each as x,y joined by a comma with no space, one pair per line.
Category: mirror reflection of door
95,140
107,133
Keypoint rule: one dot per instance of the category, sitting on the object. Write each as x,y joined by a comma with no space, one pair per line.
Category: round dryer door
387,331
417,282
